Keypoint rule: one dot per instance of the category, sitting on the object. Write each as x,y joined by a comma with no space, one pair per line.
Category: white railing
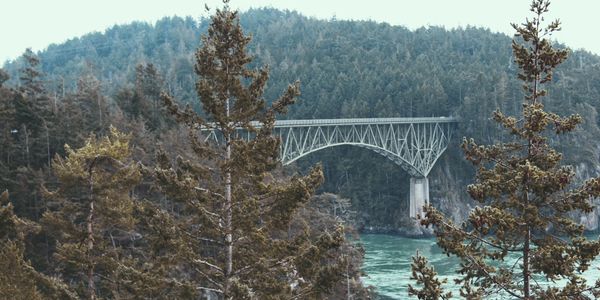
413,143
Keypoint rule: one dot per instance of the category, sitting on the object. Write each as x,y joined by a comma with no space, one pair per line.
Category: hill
350,69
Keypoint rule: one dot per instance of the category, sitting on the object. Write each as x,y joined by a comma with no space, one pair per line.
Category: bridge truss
413,143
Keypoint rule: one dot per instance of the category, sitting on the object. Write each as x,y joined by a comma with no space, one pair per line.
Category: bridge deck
359,121
413,143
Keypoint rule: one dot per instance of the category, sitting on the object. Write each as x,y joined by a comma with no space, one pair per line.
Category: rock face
590,221
448,194
448,190
583,172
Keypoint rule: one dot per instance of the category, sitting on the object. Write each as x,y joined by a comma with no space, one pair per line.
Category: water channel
388,258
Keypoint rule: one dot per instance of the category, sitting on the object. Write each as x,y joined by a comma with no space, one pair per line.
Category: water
388,258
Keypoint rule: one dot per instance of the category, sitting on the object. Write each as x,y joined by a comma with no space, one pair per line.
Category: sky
39,23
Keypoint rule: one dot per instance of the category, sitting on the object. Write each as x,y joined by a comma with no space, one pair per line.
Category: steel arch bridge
415,144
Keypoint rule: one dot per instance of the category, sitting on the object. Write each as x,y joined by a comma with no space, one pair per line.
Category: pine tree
18,279
92,103
527,198
148,88
229,217
142,101
30,75
425,275
28,136
90,215
3,77
8,153
33,112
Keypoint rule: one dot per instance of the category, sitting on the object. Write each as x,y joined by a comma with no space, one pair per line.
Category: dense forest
121,197
111,193
346,69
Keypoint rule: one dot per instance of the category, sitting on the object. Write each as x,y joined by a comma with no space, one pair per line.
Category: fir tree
30,75
90,214
18,279
148,86
425,275
230,229
8,153
33,112
28,139
3,77
527,198
94,106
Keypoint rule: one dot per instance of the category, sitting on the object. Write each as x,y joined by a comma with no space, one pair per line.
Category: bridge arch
383,152
413,143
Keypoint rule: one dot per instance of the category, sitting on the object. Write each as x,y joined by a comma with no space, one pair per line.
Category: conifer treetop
526,197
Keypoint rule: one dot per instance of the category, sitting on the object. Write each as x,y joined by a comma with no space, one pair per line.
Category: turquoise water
388,258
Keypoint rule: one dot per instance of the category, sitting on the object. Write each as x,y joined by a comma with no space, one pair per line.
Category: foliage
125,256
90,215
231,231
326,213
425,275
142,101
527,198
18,279
347,69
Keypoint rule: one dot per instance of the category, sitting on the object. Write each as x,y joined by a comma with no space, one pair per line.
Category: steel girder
413,143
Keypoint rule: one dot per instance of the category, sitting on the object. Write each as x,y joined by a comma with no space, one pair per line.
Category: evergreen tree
148,87
18,279
142,102
33,113
30,75
89,216
3,77
28,132
230,229
8,153
527,198
92,103
426,276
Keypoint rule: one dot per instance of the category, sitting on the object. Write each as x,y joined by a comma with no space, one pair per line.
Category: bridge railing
358,121
413,143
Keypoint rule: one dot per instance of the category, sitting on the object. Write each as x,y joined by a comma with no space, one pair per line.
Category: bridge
415,144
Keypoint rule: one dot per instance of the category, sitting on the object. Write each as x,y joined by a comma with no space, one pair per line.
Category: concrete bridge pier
419,196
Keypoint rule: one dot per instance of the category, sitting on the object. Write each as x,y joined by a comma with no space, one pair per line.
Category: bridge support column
419,196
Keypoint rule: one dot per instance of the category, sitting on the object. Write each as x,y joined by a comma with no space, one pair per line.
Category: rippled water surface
388,258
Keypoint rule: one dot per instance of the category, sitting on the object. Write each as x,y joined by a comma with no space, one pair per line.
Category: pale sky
38,23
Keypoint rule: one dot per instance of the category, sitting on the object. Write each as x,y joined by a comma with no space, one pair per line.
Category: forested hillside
346,69
120,196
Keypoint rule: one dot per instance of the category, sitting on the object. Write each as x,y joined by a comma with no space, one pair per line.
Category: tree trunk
90,232
47,144
26,144
100,114
348,294
228,214
526,271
